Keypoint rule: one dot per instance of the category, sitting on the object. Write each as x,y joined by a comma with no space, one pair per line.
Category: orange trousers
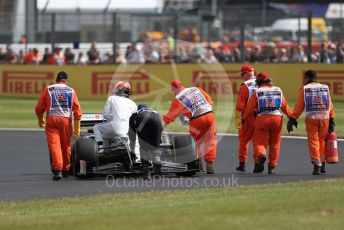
59,133
245,135
317,131
203,130
267,131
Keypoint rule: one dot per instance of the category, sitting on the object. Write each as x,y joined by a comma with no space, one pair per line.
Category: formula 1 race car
178,154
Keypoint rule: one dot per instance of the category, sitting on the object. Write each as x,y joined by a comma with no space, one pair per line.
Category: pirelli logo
217,82
334,79
25,83
104,82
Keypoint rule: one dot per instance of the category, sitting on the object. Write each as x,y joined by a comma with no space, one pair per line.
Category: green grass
19,113
299,205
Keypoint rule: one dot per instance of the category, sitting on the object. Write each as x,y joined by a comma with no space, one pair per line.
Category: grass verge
19,113
299,205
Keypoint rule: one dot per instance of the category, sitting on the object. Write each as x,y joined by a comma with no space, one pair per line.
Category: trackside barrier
152,81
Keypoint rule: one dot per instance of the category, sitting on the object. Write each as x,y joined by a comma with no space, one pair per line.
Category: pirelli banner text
153,81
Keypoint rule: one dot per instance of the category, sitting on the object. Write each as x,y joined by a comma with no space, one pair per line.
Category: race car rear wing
90,119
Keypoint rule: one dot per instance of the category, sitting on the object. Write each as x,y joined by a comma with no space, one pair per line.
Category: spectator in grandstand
270,53
2,56
20,60
247,54
196,54
340,52
196,105
10,56
150,54
209,57
46,56
57,58
183,56
28,57
69,56
283,56
135,56
299,55
256,54
93,54
237,54
81,60
119,58
324,56
23,40
332,52
223,55
266,103
36,57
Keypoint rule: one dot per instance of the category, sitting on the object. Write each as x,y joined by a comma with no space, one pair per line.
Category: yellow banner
153,81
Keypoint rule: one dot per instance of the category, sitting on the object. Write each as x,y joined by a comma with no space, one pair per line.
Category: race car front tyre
85,149
184,149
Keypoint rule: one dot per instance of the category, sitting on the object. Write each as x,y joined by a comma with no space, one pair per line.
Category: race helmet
122,88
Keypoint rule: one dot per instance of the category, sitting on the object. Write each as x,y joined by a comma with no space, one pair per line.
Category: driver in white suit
117,111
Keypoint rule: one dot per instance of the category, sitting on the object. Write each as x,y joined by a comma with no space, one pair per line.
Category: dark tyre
184,149
186,174
85,149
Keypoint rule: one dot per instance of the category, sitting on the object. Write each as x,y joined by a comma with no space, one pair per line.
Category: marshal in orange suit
315,99
266,103
195,104
246,129
61,105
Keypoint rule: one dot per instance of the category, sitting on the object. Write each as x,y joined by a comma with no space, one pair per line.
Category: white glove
163,125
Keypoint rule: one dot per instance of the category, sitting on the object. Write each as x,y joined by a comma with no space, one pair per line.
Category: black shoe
157,168
271,170
210,169
322,168
65,174
316,170
147,175
57,175
241,167
200,165
259,167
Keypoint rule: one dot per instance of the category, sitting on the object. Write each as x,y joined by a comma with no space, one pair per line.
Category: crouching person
147,125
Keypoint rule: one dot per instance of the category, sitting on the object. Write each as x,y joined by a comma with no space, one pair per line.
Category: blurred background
83,32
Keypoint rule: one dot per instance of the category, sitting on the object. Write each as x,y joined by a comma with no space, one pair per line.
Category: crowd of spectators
164,51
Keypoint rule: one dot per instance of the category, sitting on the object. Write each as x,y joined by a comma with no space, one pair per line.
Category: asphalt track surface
25,172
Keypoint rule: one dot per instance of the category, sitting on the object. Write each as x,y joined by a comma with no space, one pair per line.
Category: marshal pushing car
178,154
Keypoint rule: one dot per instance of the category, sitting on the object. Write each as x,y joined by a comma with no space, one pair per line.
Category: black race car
178,154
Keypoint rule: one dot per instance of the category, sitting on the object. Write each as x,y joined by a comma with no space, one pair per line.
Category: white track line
219,134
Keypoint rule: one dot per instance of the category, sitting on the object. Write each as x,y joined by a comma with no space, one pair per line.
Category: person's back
120,109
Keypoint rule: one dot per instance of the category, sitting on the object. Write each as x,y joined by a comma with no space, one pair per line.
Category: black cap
142,106
311,74
62,76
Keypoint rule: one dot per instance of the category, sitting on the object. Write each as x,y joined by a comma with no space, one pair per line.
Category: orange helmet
123,88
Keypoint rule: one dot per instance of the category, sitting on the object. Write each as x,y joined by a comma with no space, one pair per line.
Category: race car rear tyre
85,149
184,148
